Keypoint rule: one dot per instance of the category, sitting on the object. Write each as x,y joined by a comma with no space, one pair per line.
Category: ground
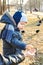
30,36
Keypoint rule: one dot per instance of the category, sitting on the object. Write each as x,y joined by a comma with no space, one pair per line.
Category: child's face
21,25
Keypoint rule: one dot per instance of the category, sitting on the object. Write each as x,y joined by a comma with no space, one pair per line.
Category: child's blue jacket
13,39
11,36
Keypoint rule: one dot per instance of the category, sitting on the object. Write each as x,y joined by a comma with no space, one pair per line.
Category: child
12,40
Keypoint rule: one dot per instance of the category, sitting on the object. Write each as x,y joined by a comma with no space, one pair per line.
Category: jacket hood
7,19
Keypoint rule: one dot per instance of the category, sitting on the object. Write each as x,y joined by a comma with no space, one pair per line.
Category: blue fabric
12,43
17,16
18,44
0,35
5,19
4,34
13,38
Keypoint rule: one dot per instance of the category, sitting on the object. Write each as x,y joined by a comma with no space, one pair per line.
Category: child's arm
18,44
13,40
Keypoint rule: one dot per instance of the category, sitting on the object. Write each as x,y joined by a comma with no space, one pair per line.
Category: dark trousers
13,59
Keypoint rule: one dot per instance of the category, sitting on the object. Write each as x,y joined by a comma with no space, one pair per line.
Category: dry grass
30,29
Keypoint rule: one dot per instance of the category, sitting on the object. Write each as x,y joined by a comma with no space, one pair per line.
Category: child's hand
29,47
30,52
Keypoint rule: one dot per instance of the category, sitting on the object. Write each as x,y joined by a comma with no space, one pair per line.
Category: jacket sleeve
13,40
17,43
